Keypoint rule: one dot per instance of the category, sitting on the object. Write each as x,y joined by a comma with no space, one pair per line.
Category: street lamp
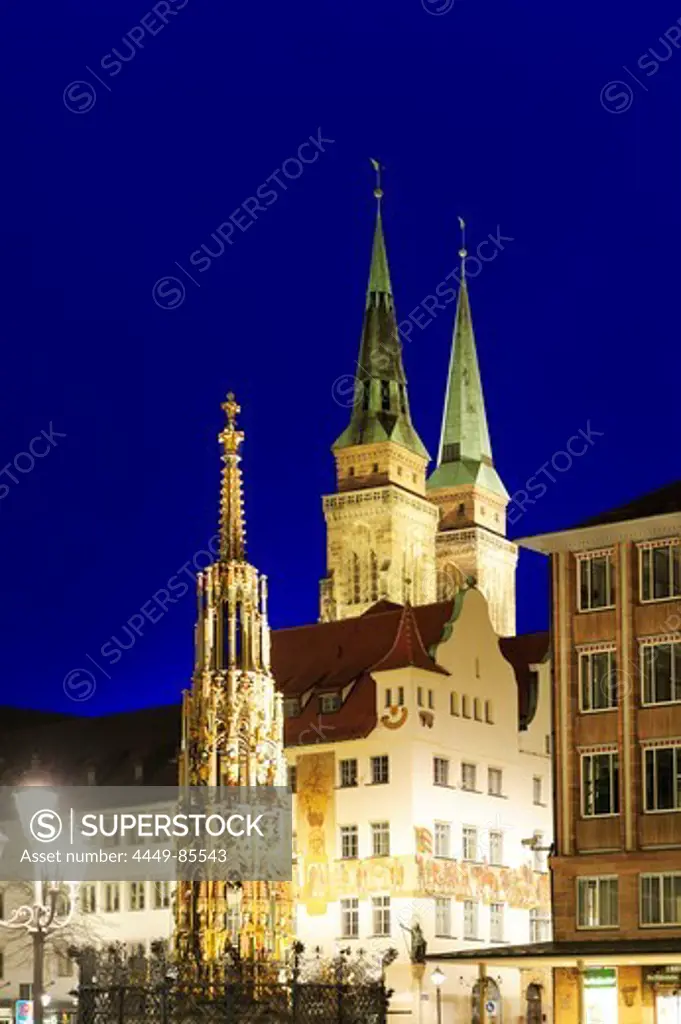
53,902
438,979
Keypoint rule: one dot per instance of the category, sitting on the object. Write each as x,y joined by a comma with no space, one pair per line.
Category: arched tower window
449,582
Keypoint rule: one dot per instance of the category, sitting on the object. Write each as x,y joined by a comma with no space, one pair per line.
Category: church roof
310,660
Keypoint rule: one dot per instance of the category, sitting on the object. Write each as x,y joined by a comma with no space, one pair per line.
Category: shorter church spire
465,452
232,529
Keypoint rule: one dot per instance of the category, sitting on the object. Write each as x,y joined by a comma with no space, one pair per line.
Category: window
161,895
489,713
419,696
597,680
441,771
350,918
443,917
431,700
25,990
661,672
88,898
496,922
380,911
454,704
380,839
477,709
348,772
349,842
537,790
596,582
400,696
291,707
539,926
662,779
496,847
292,773
373,569
470,919
466,706
374,468
356,579
138,892
399,693
112,898
443,839
380,772
329,703
600,784
660,899
470,842
385,395
468,776
660,572
494,781
597,902
64,964
388,697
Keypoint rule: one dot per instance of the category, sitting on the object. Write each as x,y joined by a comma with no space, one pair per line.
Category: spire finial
232,533
463,251
378,191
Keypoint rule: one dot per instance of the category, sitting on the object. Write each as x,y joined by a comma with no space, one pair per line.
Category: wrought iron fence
116,987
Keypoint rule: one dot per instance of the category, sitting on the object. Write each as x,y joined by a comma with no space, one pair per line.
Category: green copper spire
465,453
381,407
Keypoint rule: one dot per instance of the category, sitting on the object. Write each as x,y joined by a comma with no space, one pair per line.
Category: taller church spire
379,545
471,541
381,407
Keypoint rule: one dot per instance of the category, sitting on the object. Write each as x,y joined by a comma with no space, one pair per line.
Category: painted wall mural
520,888
315,828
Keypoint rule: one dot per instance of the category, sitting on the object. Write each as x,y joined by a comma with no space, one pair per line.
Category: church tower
232,729
465,486
380,525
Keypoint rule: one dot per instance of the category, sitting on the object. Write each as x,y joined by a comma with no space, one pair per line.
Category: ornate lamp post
438,979
50,909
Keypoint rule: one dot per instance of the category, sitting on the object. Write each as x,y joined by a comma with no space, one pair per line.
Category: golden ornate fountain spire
232,726
232,531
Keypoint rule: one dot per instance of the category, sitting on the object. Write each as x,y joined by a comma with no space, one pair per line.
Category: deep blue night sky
492,109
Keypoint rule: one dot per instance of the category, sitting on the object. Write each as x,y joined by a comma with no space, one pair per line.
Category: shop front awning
596,953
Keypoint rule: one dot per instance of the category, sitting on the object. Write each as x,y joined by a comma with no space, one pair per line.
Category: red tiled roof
355,718
320,657
330,655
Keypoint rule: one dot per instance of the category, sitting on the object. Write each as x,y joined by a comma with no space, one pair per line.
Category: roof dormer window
291,707
329,703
